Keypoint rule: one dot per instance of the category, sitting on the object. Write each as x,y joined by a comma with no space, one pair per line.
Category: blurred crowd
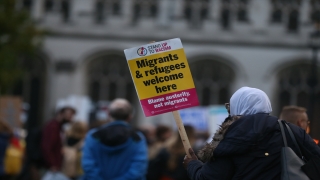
55,151
64,149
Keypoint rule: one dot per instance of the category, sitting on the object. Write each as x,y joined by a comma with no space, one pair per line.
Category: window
144,8
278,9
225,14
286,11
294,89
315,10
99,11
242,11
196,11
48,4
65,9
116,7
293,20
109,78
27,4
212,80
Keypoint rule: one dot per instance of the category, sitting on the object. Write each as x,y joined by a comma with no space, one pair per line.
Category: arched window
294,89
212,80
109,78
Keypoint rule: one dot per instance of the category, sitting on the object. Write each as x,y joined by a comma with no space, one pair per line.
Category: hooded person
115,150
248,143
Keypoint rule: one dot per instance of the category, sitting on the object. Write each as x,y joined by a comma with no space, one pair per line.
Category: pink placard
170,102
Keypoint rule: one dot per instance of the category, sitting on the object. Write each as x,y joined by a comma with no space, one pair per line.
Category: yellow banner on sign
160,74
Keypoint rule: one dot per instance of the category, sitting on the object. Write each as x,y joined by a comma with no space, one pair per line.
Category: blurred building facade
229,44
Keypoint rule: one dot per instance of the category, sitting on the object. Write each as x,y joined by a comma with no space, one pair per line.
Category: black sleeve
306,143
220,168
157,166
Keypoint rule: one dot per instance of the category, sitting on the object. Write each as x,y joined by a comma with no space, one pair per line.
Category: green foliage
19,40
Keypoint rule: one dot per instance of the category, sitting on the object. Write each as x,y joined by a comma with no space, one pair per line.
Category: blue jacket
250,149
114,152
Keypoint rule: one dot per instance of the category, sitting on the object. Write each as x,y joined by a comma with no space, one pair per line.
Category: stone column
259,14
37,10
165,12
305,12
127,10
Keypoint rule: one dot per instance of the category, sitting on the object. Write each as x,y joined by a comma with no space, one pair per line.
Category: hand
186,159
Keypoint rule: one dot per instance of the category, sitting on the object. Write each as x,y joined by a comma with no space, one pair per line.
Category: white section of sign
153,48
217,114
196,117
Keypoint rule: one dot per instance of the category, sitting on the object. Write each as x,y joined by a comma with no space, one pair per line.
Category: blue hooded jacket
115,152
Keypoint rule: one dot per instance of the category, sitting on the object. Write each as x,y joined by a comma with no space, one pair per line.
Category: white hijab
248,101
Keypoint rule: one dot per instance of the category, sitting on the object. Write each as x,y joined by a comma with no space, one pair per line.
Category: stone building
229,44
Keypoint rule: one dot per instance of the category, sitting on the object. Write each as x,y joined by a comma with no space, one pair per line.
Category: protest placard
162,77
163,81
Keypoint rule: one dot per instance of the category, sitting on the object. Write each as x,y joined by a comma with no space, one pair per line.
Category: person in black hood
248,143
115,151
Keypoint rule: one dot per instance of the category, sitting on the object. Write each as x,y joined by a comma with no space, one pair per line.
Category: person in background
295,115
163,137
298,116
72,150
149,131
174,168
115,150
5,135
51,141
163,134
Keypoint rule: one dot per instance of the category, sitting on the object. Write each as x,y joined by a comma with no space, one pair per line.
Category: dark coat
248,149
4,143
158,167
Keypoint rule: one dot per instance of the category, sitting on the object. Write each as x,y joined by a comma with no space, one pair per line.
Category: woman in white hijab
248,144
248,101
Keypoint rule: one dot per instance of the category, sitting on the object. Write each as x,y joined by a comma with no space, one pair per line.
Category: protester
201,140
51,142
295,115
14,155
5,135
149,131
298,116
167,164
72,150
248,145
115,151
163,134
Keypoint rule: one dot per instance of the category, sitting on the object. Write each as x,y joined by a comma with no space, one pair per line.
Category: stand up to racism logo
142,51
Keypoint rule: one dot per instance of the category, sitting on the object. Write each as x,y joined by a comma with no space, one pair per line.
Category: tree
20,39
